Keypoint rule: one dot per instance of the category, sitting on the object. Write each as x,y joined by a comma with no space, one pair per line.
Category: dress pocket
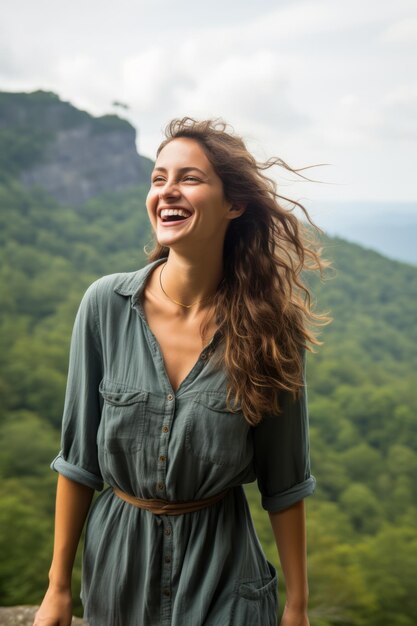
256,601
214,434
123,418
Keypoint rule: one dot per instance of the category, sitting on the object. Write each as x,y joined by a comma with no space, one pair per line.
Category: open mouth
174,218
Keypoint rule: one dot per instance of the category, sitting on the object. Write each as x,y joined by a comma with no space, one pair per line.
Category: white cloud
144,78
250,89
399,109
402,32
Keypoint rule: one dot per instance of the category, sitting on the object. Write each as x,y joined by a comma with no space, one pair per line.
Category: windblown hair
262,306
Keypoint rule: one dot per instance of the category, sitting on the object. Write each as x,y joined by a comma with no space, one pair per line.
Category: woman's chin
168,238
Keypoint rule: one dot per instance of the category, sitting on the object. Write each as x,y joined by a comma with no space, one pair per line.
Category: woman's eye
157,179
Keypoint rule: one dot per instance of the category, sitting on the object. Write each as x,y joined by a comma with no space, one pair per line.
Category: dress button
167,531
167,559
170,396
162,458
165,429
161,486
167,593
204,356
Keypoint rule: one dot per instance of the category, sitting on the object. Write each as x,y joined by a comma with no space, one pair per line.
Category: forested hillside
362,398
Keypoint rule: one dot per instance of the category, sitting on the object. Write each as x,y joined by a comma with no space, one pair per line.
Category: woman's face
183,178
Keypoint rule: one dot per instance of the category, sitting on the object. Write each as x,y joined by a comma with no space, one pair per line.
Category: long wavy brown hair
262,307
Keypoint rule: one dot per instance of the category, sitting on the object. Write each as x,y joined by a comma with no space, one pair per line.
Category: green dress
124,426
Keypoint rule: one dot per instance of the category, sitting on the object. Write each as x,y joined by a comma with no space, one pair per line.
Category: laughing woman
187,380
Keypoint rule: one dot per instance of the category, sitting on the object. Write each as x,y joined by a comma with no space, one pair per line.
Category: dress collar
132,283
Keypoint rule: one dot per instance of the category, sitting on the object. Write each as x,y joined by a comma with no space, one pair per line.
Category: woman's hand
294,617
56,608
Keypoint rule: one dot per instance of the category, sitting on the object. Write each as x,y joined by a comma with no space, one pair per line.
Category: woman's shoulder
119,281
111,291
122,283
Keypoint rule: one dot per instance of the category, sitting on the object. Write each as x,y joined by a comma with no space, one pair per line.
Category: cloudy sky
310,81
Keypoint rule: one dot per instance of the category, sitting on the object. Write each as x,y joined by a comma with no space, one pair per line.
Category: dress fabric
124,426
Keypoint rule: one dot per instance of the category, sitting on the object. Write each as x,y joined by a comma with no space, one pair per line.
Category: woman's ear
238,209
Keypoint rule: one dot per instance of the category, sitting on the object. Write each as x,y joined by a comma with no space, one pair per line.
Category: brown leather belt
165,507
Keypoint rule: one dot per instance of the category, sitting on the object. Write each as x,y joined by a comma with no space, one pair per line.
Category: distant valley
387,227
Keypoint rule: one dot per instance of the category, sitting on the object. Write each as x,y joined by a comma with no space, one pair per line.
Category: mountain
67,152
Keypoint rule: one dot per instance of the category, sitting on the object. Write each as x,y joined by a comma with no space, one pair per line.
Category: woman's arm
289,530
72,504
73,501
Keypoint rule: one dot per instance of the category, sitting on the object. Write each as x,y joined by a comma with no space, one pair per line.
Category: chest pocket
214,434
123,418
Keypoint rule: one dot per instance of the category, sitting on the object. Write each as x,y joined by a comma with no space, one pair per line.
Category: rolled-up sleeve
282,453
78,459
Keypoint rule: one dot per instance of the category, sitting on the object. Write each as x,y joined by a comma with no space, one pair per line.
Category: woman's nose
168,189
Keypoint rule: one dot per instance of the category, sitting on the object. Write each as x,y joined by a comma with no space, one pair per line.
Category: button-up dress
124,426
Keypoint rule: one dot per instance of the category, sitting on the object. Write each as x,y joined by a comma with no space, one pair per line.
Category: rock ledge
24,616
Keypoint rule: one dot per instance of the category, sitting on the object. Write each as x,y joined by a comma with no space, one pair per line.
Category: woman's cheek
151,205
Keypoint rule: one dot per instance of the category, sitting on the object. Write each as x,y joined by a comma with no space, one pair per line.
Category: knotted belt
166,507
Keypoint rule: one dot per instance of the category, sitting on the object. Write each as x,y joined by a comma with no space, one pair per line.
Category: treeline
362,398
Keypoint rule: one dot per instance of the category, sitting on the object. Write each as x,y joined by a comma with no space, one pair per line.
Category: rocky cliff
24,616
74,156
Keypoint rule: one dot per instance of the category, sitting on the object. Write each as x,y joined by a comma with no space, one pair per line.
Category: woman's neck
189,282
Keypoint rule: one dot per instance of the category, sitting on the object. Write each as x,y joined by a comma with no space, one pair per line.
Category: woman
186,380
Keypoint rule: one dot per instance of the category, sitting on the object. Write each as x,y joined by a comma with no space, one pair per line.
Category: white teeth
166,212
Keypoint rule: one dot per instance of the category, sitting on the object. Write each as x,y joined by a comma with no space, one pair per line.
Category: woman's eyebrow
182,170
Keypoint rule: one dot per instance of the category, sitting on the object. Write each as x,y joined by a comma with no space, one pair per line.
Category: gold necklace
187,306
